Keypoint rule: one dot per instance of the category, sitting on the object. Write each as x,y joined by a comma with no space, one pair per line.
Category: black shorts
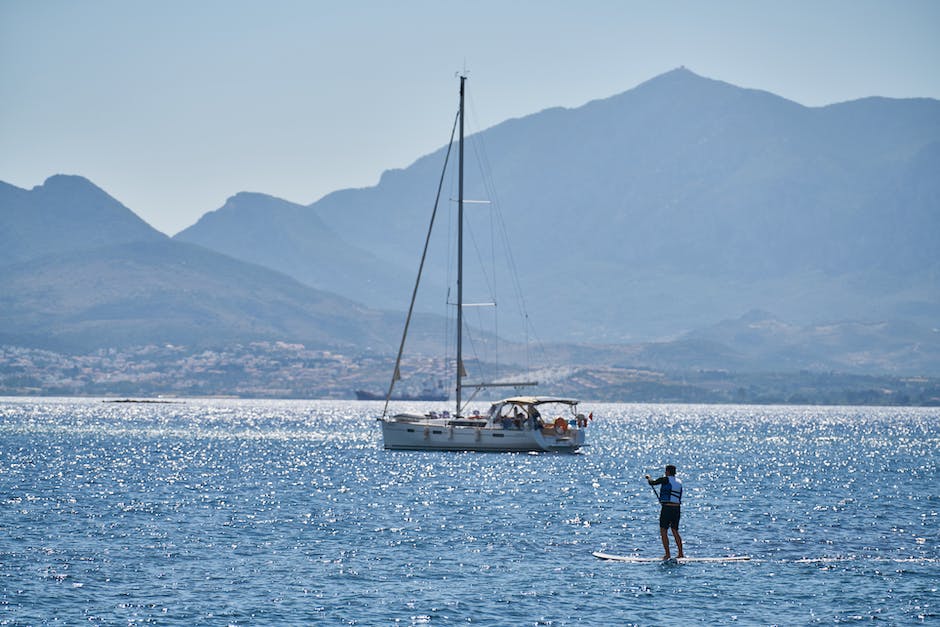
669,517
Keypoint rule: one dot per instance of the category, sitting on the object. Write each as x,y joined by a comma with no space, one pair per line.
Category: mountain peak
65,213
67,189
66,181
683,86
255,199
680,72
678,76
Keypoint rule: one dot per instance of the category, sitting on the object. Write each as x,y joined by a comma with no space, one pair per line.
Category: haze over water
261,512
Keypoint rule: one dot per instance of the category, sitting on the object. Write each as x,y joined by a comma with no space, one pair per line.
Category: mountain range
685,222
81,272
679,203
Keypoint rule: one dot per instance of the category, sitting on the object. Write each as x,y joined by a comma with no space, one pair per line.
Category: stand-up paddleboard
635,559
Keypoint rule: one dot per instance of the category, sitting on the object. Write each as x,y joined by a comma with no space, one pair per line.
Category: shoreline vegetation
289,371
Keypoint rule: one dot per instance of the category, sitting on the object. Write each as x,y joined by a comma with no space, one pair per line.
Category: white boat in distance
522,423
515,424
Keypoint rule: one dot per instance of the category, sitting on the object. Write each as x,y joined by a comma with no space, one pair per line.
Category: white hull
437,435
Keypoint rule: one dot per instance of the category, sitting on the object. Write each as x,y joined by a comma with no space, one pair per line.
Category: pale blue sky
173,106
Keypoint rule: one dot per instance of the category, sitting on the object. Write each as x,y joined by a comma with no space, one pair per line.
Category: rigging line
414,294
478,145
493,353
479,149
470,400
468,335
449,269
486,176
496,244
474,243
487,278
486,172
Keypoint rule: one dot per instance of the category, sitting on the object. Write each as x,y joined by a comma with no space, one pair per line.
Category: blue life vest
671,491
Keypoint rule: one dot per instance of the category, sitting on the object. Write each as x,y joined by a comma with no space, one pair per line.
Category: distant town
291,370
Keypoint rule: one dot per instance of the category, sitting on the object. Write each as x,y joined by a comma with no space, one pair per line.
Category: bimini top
537,400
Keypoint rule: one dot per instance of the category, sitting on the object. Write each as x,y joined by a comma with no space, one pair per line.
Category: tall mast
460,252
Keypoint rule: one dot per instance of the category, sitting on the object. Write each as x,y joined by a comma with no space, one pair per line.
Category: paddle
652,488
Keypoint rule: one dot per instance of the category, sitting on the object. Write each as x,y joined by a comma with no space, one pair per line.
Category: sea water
230,512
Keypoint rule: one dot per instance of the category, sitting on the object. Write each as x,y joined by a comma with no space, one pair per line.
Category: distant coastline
147,375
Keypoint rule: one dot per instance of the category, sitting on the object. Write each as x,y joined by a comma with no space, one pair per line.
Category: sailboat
513,424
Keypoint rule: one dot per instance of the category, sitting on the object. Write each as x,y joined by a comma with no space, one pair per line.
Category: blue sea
235,512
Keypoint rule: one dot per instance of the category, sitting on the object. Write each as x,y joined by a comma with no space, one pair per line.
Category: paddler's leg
675,534
663,529
674,524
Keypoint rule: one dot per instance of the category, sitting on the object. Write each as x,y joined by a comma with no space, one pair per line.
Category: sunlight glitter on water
289,511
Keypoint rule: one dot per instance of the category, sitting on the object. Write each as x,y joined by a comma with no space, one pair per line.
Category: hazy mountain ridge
170,292
889,347
685,188
65,213
292,238
665,211
80,271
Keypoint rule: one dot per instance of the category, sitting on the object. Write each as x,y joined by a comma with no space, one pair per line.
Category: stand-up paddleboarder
670,497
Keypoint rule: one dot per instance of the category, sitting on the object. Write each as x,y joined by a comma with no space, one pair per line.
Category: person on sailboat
535,418
670,497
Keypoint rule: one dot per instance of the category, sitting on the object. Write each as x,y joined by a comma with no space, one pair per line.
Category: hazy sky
172,106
